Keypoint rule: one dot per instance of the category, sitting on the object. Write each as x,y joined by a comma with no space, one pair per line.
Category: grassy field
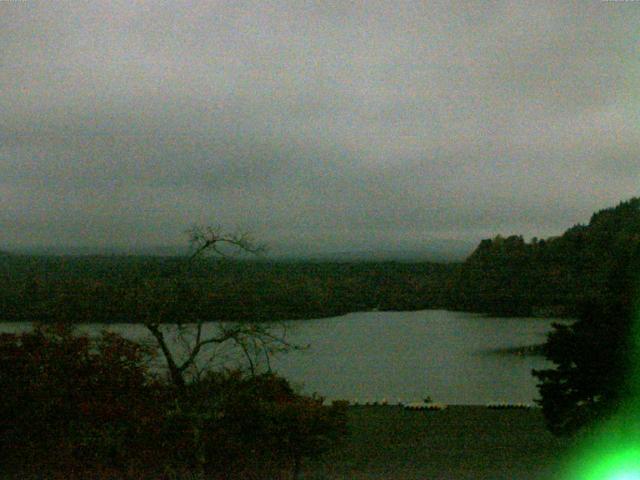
461,442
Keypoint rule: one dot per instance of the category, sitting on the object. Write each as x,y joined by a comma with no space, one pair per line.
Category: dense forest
107,288
503,276
508,276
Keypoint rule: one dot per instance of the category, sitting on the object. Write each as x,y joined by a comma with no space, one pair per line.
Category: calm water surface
404,356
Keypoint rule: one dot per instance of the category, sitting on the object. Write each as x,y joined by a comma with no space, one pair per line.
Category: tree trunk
176,374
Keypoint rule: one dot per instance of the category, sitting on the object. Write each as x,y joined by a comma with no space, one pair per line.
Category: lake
406,356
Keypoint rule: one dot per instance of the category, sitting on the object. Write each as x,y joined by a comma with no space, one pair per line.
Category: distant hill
554,276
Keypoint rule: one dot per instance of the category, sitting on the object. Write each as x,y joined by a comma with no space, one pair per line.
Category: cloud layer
351,126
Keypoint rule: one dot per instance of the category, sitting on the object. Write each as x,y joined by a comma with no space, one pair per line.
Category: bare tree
254,341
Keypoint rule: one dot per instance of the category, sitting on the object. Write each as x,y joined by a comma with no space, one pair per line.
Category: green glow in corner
623,465
626,476
612,450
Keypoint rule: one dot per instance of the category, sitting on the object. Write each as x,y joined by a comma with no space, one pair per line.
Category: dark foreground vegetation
596,358
75,407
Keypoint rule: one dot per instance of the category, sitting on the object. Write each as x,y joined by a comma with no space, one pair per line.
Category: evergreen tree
594,356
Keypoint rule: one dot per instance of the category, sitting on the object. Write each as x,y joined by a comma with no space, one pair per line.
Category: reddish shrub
77,407
71,401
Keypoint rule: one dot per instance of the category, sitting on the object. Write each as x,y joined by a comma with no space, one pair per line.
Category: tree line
504,276
101,288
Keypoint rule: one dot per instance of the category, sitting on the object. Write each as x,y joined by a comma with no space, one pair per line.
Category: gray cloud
347,126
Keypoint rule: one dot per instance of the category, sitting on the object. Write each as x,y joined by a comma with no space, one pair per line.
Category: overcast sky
344,126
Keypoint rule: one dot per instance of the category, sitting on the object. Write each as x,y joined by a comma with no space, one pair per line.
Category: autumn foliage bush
75,406
251,423
70,401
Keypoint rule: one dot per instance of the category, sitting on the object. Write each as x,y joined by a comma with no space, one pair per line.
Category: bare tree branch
204,239
253,341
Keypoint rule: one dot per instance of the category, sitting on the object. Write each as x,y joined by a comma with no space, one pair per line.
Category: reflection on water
403,356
